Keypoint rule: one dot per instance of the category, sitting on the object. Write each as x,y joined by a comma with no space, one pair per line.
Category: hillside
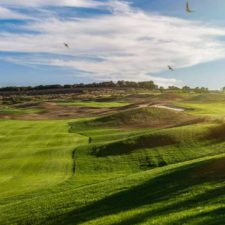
143,117
134,165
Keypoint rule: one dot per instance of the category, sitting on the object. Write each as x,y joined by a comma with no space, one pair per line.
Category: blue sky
112,40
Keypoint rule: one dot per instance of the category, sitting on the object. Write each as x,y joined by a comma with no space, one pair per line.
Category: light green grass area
95,104
201,98
34,155
205,109
19,111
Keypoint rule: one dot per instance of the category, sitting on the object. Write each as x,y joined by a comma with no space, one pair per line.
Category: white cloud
9,14
41,3
130,43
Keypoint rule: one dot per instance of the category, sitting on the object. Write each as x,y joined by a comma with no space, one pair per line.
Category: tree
186,88
173,88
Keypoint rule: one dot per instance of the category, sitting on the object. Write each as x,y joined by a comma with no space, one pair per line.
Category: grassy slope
141,117
153,183
55,196
18,111
206,109
34,153
95,104
210,104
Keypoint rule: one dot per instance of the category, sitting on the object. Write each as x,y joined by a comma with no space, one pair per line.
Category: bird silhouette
66,45
188,8
171,68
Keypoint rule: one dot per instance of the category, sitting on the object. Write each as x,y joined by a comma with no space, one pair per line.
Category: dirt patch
28,105
51,110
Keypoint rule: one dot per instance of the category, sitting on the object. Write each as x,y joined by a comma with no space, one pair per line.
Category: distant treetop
150,85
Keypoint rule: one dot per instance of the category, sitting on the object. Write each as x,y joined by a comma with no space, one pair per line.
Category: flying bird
171,68
66,45
188,8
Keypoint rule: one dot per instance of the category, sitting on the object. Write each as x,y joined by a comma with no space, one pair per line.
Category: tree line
150,85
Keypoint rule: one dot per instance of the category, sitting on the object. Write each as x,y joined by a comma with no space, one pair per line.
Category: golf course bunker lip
169,107
143,106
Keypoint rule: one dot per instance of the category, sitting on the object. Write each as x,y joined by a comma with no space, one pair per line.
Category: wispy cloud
6,13
41,3
130,43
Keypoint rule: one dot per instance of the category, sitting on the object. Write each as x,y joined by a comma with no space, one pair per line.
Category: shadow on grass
160,189
181,206
129,145
216,134
214,217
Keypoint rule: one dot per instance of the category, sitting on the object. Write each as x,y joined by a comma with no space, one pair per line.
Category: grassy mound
127,146
95,104
158,148
206,98
140,118
167,139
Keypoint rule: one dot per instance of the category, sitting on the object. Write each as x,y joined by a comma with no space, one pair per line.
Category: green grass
174,194
18,111
204,109
95,104
211,97
34,153
37,181
148,117
51,174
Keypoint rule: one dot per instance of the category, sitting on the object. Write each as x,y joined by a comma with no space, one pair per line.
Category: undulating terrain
122,159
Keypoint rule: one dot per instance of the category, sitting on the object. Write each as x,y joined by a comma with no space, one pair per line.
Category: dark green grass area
176,194
149,149
166,198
